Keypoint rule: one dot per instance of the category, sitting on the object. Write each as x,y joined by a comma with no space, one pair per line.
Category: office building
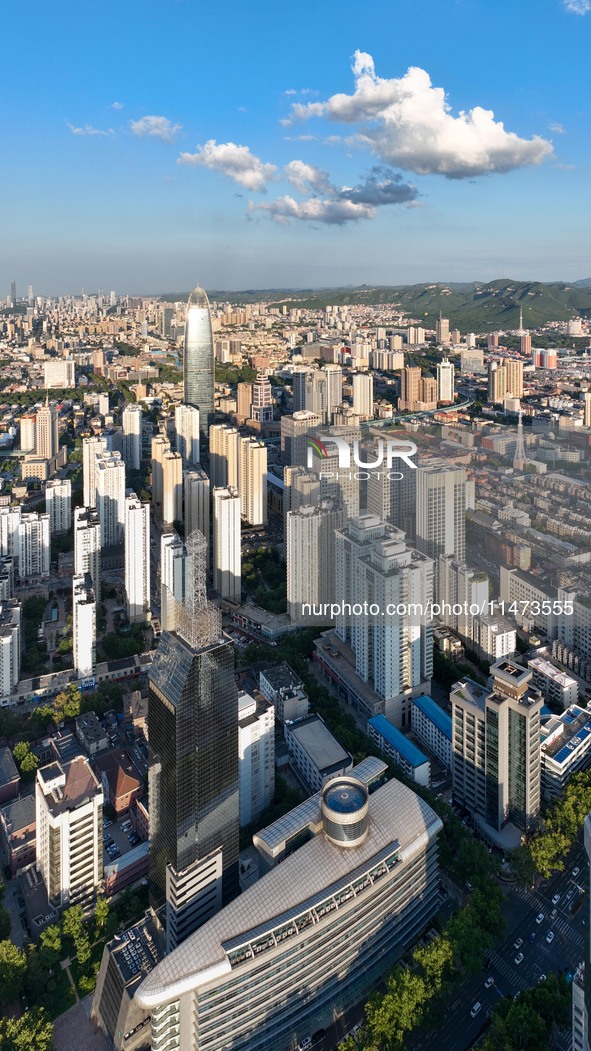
410,387
565,749
46,432
59,373
83,627
514,375
442,330
244,402
199,366
160,447
256,752
10,646
193,775
227,573
34,550
445,382
69,819
334,388
110,497
58,504
496,750
556,686
196,490
441,510
523,592
310,557
172,488
295,431
137,559
223,456
186,423
262,401
363,395
252,481
331,919
315,751
91,448
497,382
87,546
338,484
395,659
27,437
301,486
131,419
472,362
172,578
400,749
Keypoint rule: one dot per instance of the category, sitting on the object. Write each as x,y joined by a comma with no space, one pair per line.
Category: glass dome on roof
345,797
198,298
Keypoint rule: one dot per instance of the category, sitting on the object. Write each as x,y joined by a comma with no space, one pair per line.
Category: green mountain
476,306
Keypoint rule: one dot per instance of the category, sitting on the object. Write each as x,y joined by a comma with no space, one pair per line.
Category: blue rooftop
433,712
398,741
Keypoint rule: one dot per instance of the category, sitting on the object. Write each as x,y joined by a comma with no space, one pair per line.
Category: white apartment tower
223,456
256,751
87,546
69,819
363,395
131,420
84,626
252,481
186,422
34,549
172,488
197,501
227,574
160,446
58,504
110,497
46,432
173,556
137,559
310,555
10,646
441,510
91,448
445,381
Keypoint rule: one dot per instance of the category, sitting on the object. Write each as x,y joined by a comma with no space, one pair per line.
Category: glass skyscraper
199,369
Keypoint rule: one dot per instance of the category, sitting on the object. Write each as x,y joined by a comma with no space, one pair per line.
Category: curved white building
314,935
199,367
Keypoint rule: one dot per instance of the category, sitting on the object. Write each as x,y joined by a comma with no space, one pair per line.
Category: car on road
575,871
475,1009
541,979
518,943
556,899
518,959
489,981
540,918
305,1044
550,937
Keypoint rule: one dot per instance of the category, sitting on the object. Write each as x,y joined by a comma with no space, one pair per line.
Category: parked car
518,943
556,899
550,937
489,982
540,918
519,959
475,1009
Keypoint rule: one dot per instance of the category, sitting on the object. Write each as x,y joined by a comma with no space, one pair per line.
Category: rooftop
550,671
397,740
8,770
565,734
320,745
433,712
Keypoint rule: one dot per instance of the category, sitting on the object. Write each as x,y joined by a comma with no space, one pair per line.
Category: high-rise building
256,751
299,378
30,299
496,748
223,455
252,481
393,655
199,367
186,423
393,499
83,626
262,400
227,572
472,362
497,382
196,489
514,374
46,432
10,646
301,486
334,388
363,395
137,558
295,431
442,329
193,770
172,488
243,402
464,588
445,381
587,409
339,485
173,566
441,510
58,503
91,448
131,419
310,556
581,987
10,525
410,387
160,446
28,427
13,293
59,373
33,546
87,546
330,919
69,819
110,497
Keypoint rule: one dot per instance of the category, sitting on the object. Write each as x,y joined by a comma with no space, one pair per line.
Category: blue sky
204,172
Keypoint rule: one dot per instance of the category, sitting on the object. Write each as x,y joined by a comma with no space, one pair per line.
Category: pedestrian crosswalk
574,937
516,978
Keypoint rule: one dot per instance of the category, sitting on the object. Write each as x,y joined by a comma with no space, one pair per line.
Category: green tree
101,912
33,1031
20,750
50,941
82,949
73,922
13,971
520,1029
391,1017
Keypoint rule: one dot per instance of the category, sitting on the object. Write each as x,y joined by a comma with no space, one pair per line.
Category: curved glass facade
199,369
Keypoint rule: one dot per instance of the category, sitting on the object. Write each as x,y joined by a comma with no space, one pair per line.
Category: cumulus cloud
116,105
334,205
87,129
233,160
316,209
407,121
381,186
577,7
155,127
306,177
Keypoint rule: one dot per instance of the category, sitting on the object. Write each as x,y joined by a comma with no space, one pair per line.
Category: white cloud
333,205
116,105
408,122
316,209
558,129
155,127
300,91
233,160
87,129
577,7
306,177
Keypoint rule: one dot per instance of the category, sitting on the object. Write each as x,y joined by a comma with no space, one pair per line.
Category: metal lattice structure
198,621
519,457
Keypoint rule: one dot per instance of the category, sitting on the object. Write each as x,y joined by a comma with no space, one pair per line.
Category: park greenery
231,374
115,646
263,578
35,656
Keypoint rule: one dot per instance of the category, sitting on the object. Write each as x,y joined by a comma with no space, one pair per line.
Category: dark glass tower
194,779
199,368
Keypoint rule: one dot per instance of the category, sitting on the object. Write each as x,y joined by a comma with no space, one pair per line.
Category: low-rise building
556,686
315,751
9,777
285,690
91,733
393,744
565,749
17,822
432,726
121,782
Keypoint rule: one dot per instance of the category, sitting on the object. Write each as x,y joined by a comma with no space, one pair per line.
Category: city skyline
304,167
